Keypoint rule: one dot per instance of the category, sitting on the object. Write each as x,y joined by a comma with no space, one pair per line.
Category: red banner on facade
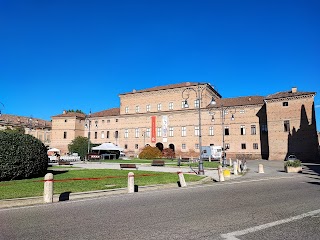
153,129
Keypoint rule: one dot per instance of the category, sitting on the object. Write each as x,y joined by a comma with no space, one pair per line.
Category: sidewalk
271,169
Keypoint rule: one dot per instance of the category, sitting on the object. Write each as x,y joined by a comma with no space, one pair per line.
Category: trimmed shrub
168,153
295,163
149,152
21,156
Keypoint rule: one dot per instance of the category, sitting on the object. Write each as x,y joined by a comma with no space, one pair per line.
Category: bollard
48,188
230,162
130,182
235,168
181,180
260,168
220,173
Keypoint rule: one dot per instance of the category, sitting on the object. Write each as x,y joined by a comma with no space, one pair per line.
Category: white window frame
211,131
137,132
183,131
126,133
170,105
170,131
196,131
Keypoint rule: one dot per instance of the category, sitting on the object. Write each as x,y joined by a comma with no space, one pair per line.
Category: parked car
292,158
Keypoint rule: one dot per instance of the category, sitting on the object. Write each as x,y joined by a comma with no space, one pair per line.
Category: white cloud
317,106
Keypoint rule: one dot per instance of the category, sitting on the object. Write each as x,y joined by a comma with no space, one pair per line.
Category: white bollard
230,162
220,173
261,168
235,168
130,182
182,180
48,188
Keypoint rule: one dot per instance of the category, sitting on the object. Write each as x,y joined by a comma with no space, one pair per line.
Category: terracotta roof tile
71,114
171,86
288,94
238,101
106,113
14,120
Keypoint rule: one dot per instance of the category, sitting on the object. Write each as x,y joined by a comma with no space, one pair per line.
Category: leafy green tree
21,156
76,111
15,130
79,145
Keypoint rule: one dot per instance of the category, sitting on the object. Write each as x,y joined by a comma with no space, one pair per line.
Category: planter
293,169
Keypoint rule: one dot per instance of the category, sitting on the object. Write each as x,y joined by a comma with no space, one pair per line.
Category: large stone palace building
184,118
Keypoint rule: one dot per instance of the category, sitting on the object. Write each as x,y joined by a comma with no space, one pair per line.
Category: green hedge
21,156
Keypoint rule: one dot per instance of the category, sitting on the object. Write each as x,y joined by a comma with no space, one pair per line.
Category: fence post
48,188
181,179
220,173
130,182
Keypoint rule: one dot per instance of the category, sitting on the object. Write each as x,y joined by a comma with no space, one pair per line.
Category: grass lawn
86,180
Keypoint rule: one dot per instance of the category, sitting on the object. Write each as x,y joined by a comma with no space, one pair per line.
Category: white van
216,152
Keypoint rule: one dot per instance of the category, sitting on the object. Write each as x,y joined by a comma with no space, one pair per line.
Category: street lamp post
1,108
223,116
198,92
88,123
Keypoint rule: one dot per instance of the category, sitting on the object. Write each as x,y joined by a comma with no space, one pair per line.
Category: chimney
294,90
64,112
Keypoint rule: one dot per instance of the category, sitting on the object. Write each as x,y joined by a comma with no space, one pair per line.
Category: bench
157,163
64,163
128,165
185,160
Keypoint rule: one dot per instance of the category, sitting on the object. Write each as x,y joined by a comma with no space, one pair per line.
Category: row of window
170,107
160,131
255,146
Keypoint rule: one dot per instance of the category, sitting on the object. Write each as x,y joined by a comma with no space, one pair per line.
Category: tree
14,130
21,156
76,111
79,145
149,152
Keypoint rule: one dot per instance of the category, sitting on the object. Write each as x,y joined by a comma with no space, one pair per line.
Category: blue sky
80,54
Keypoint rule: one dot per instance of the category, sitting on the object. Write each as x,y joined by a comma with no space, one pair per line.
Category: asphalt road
287,207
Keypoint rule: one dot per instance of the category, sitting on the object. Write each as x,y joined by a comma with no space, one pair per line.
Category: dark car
291,157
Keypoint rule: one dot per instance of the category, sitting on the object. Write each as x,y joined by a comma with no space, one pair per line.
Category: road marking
257,180
233,235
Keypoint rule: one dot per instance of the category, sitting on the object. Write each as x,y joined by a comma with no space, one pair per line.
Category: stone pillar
130,182
182,180
220,173
235,168
261,168
48,188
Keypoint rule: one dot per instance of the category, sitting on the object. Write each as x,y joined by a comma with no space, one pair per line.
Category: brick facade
253,125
